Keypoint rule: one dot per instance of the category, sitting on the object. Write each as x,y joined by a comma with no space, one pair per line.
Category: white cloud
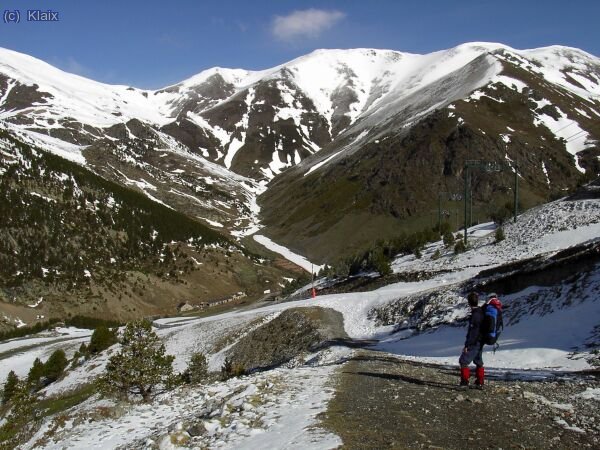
308,23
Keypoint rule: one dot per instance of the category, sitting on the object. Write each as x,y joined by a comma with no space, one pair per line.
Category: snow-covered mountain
334,88
209,144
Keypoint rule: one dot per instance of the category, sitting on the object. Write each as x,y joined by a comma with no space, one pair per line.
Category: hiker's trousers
474,354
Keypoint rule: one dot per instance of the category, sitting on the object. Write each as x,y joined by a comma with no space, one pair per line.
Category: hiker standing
473,349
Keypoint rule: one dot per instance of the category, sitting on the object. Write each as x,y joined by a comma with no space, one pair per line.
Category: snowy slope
557,64
317,74
238,129
345,87
547,329
537,233
88,101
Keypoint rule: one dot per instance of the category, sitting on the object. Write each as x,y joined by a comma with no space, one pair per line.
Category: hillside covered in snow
408,334
328,144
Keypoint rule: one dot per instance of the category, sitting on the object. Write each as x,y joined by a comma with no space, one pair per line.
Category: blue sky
151,44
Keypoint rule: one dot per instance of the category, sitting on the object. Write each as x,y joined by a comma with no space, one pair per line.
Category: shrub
436,255
90,323
294,285
502,213
448,239
142,367
197,370
379,261
375,258
24,331
102,338
500,234
445,227
460,247
230,369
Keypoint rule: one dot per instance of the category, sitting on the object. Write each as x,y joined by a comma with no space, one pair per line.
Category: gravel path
384,402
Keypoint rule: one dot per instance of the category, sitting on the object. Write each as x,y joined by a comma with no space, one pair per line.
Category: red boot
479,373
465,373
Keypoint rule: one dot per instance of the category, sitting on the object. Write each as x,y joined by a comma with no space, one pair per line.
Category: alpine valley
122,201
204,206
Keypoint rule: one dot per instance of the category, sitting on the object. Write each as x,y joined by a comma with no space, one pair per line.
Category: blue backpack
492,324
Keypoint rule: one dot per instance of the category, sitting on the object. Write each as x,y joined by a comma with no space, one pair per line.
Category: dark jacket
474,333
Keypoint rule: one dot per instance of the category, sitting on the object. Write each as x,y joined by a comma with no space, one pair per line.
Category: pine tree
460,247
382,265
141,367
500,234
197,370
10,386
55,366
23,418
36,373
101,339
448,239
231,369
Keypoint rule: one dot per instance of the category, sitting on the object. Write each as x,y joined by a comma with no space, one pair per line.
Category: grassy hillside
72,242
396,183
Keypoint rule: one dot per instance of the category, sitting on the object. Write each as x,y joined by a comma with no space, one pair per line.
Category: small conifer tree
142,367
231,369
380,262
197,370
10,386
102,338
460,247
500,234
22,419
448,239
55,366
34,377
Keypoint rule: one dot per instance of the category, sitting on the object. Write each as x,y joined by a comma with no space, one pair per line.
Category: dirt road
383,402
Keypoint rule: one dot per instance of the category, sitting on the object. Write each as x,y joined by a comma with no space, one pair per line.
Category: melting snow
212,222
287,254
241,126
36,304
545,172
564,128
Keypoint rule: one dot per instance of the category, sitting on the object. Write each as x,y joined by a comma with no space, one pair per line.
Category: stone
197,429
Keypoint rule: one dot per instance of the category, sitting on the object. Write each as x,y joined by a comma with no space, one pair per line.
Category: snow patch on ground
274,409
287,254
543,342
576,138
19,354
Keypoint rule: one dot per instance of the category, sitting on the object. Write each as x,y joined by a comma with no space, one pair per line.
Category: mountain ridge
312,116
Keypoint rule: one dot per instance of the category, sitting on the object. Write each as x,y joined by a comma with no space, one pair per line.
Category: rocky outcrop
294,333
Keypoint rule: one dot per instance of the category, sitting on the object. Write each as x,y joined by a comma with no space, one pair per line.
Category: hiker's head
473,299
492,296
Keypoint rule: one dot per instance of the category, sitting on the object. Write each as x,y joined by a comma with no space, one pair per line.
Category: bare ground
384,402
